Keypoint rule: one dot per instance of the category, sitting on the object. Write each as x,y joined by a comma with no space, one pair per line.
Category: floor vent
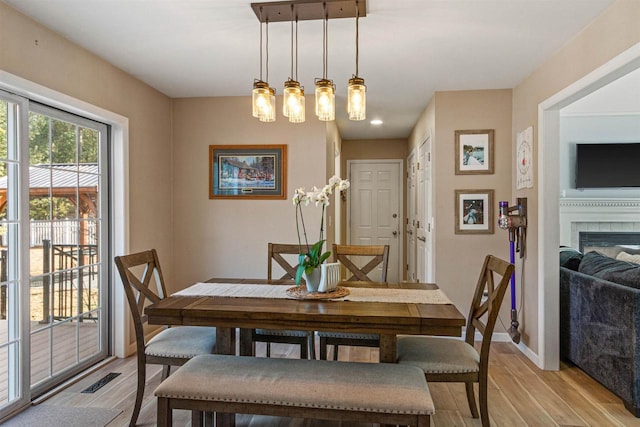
100,383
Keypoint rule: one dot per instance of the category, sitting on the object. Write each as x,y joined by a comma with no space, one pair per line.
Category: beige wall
613,32
32,52
228,238
446,113
62,66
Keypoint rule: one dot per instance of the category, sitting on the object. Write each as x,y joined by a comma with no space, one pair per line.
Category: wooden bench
315,389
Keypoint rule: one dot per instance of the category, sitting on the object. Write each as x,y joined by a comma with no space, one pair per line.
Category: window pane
3,129
4,377
88,146
65,344
40,302
89,337
39,193
89,291
39,140
40,356
63,143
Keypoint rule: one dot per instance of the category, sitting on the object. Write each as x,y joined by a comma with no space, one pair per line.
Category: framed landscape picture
474,152
247,171
474,211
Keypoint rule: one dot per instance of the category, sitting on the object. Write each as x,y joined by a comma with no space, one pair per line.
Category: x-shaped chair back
137,271
379,255
276,252
490,289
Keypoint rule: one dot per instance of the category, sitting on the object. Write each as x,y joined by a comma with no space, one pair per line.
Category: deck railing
73,281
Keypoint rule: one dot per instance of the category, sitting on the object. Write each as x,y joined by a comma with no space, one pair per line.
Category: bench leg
164,417
388,345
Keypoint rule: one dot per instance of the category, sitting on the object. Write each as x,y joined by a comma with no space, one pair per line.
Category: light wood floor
520,395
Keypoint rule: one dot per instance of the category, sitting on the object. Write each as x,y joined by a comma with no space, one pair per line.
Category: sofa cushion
597,265
623,256
570,258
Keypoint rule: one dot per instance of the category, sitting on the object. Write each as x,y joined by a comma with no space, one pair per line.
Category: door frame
401,206
412,157
549,195
120,341
429,260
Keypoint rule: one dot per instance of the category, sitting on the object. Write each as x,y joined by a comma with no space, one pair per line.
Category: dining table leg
388,350
247,346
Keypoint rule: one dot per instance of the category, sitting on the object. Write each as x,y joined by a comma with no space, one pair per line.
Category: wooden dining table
388,319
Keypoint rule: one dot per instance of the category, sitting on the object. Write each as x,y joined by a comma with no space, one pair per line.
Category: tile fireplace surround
603,215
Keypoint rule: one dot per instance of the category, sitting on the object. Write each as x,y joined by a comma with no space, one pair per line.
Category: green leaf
324,256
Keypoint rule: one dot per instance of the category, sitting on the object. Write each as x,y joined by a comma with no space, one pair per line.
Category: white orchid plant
311,257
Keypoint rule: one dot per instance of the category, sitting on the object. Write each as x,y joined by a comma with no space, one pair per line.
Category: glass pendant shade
270,109
260,99
325,100
357,99
293,102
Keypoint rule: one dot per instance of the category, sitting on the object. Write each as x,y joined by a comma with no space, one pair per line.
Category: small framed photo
474,152
474,211
247,171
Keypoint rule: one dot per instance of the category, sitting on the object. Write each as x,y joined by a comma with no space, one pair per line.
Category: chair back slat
487,299
276,250
137,286
379,254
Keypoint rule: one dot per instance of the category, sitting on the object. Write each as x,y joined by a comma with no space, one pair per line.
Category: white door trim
549,195
401,180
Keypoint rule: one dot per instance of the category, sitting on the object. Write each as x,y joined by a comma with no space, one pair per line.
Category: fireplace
600,216
609,243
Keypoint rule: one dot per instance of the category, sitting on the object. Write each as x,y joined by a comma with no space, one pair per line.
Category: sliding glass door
53,247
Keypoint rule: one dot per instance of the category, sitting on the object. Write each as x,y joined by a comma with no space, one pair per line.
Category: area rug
62,416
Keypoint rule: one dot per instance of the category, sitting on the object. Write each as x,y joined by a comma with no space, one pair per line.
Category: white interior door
412,211
375,208
423,224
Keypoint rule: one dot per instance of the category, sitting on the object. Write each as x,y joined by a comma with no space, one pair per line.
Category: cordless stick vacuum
514,219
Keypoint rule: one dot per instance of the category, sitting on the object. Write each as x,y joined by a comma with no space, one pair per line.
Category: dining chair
305,339
454,360
373,257
140,272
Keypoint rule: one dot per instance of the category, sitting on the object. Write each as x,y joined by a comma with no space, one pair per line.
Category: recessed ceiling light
376,122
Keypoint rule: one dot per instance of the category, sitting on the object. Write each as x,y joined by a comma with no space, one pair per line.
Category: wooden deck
520,394
64,336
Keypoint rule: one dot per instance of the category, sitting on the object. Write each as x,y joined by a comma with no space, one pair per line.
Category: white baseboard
504,337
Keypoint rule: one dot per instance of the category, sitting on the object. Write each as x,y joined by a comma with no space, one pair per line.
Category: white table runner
415,296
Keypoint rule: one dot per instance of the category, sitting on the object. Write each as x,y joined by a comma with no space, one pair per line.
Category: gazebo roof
60,177
78,183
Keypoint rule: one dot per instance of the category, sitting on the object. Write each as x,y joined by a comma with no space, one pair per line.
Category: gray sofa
600,322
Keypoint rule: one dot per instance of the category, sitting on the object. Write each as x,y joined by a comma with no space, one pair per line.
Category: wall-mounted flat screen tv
610,165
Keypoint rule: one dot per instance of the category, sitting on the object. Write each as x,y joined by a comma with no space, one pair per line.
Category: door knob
395,233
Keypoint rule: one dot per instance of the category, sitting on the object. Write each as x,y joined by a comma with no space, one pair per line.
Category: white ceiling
408,48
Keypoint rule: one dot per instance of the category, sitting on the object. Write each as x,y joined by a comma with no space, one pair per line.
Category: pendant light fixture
293,104
325,89
357,91
263,97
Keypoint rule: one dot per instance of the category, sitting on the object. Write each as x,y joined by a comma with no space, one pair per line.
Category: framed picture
474,211
474,152
247,171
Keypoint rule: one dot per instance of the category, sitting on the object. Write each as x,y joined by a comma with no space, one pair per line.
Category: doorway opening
549,196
